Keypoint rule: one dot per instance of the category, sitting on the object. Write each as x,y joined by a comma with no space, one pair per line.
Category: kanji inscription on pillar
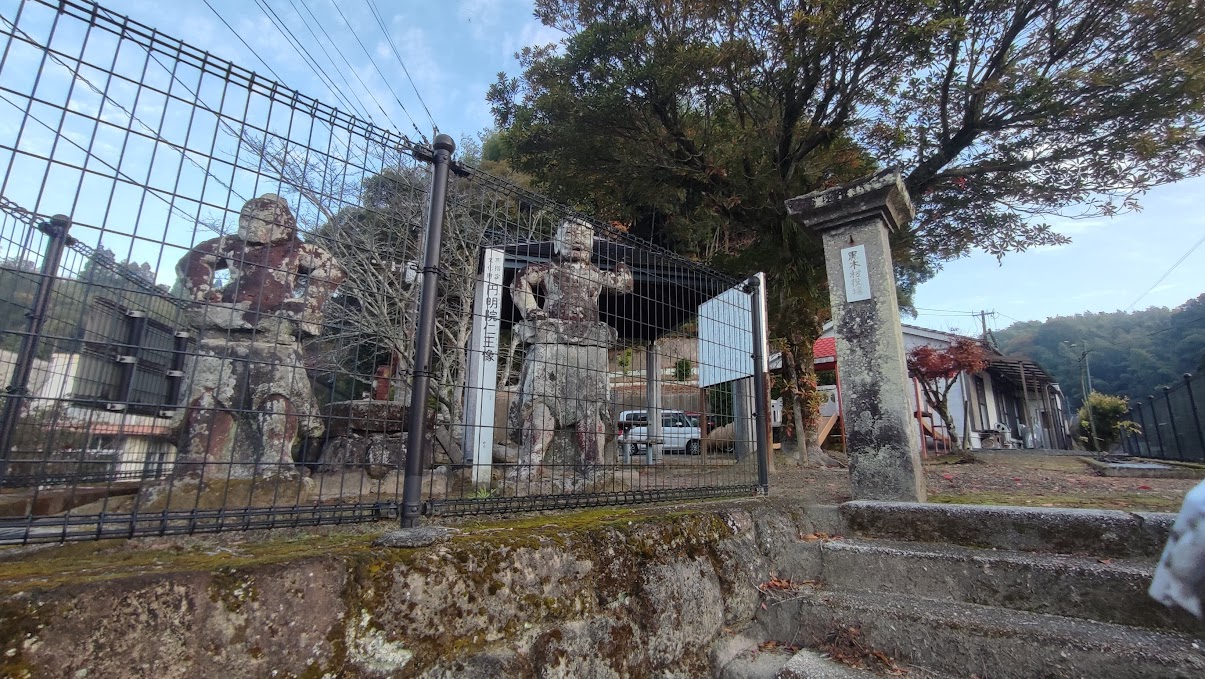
857,282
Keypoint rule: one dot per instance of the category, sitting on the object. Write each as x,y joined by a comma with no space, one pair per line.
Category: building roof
914,330
1018,370
825,350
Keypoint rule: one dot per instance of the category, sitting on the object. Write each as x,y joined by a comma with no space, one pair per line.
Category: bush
683,369
1109,413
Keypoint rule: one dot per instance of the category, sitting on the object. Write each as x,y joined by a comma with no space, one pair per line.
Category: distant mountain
1132,353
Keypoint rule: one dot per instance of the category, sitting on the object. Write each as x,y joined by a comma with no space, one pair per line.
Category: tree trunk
799,446
807,406
943,409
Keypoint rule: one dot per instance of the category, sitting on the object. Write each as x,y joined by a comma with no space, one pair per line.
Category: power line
950,311
1167,273
1014,320
240,39
379,71
335,67
376,12
312,63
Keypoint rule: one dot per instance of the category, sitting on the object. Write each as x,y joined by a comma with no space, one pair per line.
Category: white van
677,432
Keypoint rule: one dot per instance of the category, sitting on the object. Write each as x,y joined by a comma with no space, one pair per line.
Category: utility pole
983,322
1080,354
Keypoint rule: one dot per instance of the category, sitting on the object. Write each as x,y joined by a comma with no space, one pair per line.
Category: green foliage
692,122
625,361
1109,414
71,299
720,405
683,369
1132,353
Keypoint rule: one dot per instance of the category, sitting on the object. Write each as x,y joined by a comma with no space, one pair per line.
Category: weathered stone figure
250,397
563,387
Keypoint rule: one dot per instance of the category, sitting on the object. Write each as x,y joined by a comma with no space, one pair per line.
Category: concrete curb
1173,470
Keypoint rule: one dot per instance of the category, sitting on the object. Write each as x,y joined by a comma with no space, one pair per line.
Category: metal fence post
761,395
1146,432
1158,432
1171,418
56,229
413,486
1196,415
1127,437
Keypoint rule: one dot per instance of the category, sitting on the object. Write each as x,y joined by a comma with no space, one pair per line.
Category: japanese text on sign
857,281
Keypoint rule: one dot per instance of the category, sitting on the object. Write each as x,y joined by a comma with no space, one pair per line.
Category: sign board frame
726,335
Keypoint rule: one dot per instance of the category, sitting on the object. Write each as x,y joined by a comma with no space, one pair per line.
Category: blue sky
454,49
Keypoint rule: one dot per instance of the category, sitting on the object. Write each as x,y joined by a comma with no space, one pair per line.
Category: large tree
693,121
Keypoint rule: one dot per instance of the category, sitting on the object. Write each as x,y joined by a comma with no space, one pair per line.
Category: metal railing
250,306
1170,424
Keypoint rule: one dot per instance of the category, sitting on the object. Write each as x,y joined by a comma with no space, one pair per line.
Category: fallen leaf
948,477
1145,488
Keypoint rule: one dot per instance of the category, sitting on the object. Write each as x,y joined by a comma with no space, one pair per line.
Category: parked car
629,419
695,417
677,433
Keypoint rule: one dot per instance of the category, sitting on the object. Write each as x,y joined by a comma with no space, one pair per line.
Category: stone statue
250,397
564,385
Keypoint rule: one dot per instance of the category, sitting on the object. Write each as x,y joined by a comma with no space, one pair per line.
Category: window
674,420
981,398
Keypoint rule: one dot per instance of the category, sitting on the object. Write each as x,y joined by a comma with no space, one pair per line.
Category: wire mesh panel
218,328
578,365
1171,423
235,272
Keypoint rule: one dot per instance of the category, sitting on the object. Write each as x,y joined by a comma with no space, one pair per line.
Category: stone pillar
744,427
854,220
652,380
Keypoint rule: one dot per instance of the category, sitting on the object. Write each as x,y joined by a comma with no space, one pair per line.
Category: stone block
366,416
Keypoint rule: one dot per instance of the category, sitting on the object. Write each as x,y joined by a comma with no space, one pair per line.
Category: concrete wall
37,376
596,595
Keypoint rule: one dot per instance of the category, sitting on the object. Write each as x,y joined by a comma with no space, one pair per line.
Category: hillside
1132,353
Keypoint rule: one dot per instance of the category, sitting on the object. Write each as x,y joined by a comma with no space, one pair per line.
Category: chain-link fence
1170,424
227,321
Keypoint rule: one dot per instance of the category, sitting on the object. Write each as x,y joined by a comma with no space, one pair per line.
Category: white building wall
962,402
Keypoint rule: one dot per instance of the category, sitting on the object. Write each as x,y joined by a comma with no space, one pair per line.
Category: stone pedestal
854,220
370,435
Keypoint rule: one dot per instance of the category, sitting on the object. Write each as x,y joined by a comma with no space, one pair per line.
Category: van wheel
634,450
692,447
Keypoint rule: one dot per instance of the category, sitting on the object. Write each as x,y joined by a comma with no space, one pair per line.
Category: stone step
811,665
1102,533
967,640
746,660
1108,590
754,664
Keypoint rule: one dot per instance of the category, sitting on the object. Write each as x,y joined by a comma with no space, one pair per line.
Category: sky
453,50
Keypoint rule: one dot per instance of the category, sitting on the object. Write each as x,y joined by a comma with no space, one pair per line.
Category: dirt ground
1025,478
